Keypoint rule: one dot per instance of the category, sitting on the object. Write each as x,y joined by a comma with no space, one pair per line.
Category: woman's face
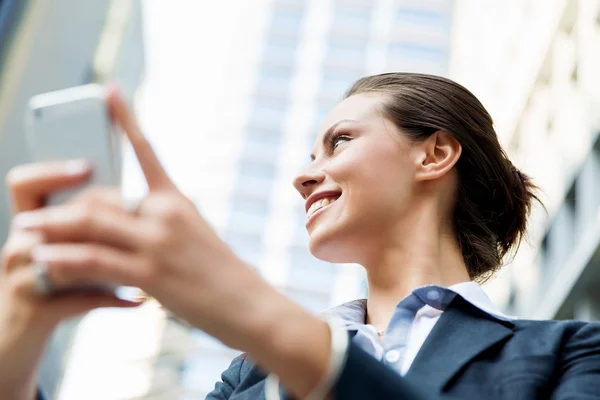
360,182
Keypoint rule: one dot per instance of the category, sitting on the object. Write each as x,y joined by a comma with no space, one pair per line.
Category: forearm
284,339
295,347
20,352
20,391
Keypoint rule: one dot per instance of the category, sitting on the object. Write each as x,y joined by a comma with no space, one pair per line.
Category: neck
427,255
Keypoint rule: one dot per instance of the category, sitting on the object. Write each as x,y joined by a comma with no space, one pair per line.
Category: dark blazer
468,355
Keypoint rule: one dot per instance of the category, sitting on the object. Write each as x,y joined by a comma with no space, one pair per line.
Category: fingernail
26,220
78,167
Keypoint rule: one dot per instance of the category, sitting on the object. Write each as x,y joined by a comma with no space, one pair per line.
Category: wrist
20,390
288,341
278,334
21,347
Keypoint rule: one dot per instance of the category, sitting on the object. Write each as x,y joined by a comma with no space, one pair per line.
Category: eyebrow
329,132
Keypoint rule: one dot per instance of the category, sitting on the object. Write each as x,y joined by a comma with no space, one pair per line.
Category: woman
407,178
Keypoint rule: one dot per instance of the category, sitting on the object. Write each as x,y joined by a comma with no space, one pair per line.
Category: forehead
361,108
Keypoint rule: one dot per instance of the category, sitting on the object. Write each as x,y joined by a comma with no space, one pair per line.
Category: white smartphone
75,123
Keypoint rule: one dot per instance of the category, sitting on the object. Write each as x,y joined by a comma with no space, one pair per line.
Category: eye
338,138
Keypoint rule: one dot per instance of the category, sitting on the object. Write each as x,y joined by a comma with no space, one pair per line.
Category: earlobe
440,152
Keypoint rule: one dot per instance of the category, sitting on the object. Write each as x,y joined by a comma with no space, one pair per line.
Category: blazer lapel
462,332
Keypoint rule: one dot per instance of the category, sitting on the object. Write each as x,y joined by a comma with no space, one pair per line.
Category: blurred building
534,64
51,45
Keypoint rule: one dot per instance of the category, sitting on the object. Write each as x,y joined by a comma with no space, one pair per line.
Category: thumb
71,305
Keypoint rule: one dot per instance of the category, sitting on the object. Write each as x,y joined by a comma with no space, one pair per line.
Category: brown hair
494,198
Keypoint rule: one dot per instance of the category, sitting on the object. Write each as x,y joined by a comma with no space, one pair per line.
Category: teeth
317,205
314,206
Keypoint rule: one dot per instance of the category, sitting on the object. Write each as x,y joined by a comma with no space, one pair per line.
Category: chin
334,247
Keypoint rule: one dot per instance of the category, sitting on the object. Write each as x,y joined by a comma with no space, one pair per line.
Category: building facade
43,48
535,69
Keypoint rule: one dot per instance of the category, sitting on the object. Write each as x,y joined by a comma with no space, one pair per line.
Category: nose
306,181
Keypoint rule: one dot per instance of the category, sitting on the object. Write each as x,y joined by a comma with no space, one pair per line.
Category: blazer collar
461,334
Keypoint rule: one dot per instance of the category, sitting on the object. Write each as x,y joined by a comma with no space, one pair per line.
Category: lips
319,204
320,200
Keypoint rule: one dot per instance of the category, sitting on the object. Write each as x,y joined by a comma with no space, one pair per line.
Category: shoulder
576,351
564,327
240,367
568,335
243,378
247,373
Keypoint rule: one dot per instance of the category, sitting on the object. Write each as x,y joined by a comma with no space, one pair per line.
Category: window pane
319,277
268,111
256,170
300,234
247,245
416,51
421,17
240,219
253,187
266,136
275,75
337,81
313,301
250,205
260,151
357,18
280,48
309,273
352,52
287,20
248,213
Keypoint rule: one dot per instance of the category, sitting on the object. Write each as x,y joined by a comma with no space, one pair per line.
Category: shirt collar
474,294
355,312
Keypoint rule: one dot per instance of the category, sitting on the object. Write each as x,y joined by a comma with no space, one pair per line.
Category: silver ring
42,280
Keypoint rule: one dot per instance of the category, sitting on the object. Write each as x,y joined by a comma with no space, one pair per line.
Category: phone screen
71,124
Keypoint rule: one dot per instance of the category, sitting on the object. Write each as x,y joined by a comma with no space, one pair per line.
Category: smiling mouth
320,204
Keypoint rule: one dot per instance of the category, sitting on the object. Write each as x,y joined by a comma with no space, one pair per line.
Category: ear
437,155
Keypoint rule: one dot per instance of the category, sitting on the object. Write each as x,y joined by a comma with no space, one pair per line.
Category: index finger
155,174
30,184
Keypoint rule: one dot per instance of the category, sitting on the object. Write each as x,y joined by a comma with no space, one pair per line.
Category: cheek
373,178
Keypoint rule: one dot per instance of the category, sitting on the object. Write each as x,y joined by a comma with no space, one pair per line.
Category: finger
17,250
76,264
85,223
30,184
23,283
48,310
112,199
74,303
155,174
109,198
108,195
